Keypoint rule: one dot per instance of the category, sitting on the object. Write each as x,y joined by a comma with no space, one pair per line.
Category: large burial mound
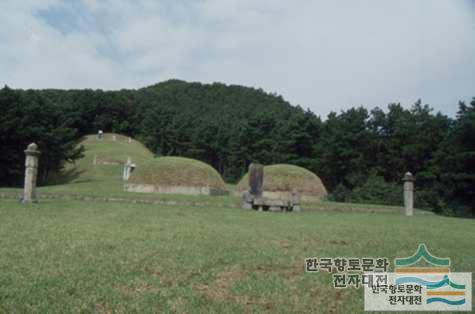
102,164
280,180
113,149
176,175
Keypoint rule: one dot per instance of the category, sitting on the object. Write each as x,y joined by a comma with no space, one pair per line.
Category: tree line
360,155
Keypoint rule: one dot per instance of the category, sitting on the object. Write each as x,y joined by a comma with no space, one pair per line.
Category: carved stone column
409,194
31,173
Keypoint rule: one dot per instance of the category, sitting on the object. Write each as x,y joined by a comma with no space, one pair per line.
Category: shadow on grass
65,177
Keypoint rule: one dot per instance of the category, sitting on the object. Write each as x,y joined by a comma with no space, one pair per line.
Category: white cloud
320,54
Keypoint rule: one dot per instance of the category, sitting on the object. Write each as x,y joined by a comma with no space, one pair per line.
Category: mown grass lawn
71,256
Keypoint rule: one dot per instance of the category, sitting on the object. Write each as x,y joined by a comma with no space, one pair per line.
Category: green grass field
106,254
59,256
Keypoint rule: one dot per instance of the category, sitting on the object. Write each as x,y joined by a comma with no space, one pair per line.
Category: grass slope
61,257
101,179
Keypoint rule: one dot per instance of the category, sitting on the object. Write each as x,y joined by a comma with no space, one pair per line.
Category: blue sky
323,55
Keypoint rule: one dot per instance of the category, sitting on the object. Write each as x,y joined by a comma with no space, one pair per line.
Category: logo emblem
422,282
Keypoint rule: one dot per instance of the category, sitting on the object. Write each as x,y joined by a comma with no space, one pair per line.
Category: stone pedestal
31,173
247,200
295,201
408,194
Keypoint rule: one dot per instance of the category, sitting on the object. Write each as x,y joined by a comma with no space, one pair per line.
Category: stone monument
408,194
256,179
256,182
254,199
31,173
129,167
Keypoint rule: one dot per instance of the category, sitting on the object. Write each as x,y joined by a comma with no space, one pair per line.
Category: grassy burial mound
101,167
280,180
110,151
176,175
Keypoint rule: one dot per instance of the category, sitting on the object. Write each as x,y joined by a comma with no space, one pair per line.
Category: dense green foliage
455,161
30,117
354,151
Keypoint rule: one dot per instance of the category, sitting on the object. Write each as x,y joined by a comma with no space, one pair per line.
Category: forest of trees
360,155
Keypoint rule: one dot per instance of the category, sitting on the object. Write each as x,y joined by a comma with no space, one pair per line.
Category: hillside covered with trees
360,155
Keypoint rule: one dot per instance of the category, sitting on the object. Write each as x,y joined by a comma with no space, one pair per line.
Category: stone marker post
31,172
256,179
128,168
114,138
130,140
408,194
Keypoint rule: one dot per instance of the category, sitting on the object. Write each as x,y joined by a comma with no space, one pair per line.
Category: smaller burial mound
176,175
281,179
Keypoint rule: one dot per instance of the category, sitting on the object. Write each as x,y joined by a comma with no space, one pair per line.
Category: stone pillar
114,138
130,140
126,172
408,194
256,179
128,168
31,173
